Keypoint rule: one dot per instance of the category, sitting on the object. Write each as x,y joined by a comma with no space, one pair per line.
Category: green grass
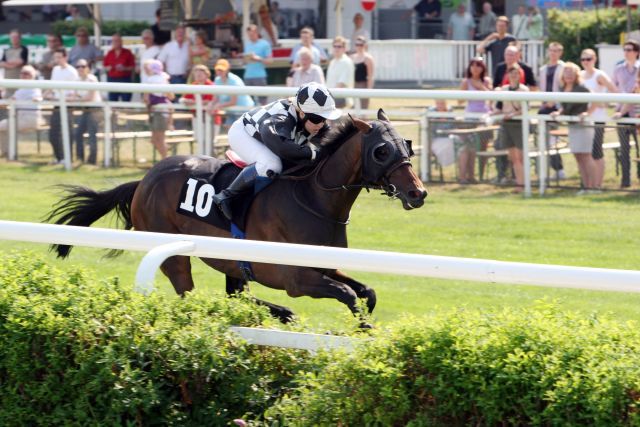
476,222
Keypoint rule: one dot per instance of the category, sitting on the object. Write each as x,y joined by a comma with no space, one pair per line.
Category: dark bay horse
312,210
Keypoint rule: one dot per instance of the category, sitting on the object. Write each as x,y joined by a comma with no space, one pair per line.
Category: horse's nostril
417,195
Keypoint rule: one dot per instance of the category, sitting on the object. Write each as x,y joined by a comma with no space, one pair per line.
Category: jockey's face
311,127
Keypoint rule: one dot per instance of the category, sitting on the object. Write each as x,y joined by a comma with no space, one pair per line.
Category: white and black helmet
315,98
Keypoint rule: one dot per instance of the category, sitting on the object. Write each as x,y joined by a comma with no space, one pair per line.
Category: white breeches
253,151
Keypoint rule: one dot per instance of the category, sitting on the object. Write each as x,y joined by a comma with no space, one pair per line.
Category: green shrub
525,367
577,30
125,28
76,350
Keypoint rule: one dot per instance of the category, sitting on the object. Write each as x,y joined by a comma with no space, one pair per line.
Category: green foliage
582,29
125,28
524,367
76,350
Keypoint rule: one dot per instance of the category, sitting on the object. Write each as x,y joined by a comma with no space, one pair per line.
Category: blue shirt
256,70
233,80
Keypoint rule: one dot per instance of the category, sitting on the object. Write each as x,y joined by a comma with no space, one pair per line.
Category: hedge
125,28
76,350
582,29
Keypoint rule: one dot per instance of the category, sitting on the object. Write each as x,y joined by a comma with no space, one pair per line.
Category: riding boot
243,183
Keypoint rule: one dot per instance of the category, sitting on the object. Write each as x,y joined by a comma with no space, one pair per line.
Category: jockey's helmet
315,98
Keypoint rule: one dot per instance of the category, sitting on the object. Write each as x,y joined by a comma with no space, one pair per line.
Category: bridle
376,171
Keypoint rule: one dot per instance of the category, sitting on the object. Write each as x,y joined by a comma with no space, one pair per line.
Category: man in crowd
150,51
257,54
119,64
46,64
13,59
519,24
512,56
461,25
175,57
160,37
341,71
63,71
428,9
318,54
496,43
84,50
487,21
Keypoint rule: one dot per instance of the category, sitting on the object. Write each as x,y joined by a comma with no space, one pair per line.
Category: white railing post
64,126
107,135
543,150
425,149
199,134
13,134
151,262
208,137
525,148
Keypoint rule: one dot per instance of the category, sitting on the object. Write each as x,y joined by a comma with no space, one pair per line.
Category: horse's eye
381,153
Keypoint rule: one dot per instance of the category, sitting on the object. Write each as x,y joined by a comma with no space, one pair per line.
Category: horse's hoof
365,326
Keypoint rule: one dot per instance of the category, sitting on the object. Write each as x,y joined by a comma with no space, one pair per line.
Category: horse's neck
343,168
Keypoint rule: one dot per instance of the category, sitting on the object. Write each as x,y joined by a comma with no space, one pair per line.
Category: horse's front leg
361,290
236,286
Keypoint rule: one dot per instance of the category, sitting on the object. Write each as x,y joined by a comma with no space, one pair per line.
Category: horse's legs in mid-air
235,286
178,270
361,290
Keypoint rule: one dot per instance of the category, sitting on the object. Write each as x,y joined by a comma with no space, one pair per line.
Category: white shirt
83,93
158,79
341,70
28,94
66,74
519,26
175,58
148,53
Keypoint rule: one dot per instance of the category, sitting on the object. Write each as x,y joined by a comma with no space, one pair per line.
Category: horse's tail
84,206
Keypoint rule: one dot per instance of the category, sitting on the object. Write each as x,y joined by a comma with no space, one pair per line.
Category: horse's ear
362,126
382,115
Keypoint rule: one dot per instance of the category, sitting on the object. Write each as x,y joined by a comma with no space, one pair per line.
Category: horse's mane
341,130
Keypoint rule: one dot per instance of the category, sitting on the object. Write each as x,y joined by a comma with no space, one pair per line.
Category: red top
124,58
205,97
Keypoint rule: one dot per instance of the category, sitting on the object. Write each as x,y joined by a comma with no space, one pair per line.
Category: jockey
267,135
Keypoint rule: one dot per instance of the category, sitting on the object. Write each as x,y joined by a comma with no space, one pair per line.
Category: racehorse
310,209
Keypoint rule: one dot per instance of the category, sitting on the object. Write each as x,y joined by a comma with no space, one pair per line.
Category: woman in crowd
199,52
200,75
226,78
364,68
476,79
87,122
596,81
580,136
160,119
512,129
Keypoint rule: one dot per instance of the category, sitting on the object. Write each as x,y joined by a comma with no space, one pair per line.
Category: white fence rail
161,246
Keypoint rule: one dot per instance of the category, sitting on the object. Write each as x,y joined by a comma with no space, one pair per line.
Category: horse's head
386,162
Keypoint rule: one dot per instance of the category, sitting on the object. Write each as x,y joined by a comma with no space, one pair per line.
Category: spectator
476,79
428,9
512,129
461,25
160,37
519,24
226,78
364,69
307,72
175,57
278,18
495,43
535,25
63,71
199,52
341,71
46,64
624,78
160,119
87,122
512,56
597,81
28,117
150,51
306,40
580,136
441,145
549,78
200,75
13,59
487,22
266,28
119,64
73,13
257,54
358,30
84,50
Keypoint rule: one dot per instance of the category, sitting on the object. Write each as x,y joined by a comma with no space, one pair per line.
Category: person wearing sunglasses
87,121
340,72
278,135
624,78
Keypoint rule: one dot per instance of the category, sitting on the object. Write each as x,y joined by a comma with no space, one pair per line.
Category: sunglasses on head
314,118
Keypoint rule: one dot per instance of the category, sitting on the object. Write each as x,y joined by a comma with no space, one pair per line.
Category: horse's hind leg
235,286
178,270
361,290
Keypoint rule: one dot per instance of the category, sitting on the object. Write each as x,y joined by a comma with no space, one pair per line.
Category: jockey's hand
321,153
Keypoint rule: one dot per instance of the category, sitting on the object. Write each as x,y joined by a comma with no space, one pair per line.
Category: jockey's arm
275,133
